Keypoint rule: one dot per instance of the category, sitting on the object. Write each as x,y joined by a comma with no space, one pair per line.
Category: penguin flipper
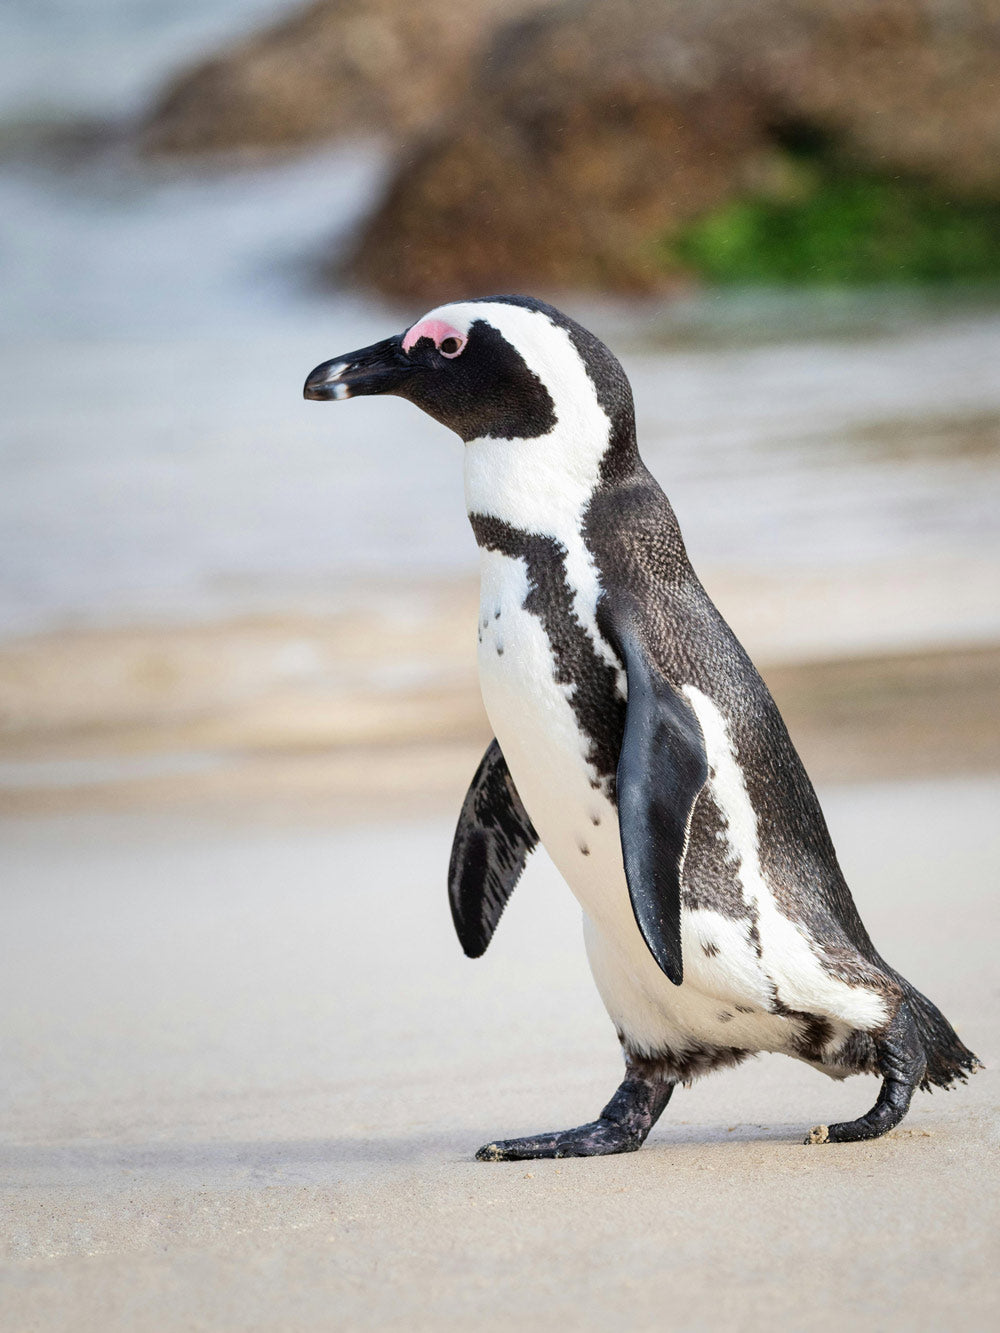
493,841
662,768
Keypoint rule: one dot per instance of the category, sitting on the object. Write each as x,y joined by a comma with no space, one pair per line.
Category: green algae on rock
839,225
598,132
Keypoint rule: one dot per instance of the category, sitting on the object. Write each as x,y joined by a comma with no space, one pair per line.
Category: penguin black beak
382,368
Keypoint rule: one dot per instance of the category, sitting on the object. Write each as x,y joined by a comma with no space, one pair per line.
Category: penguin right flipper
662,768
493,841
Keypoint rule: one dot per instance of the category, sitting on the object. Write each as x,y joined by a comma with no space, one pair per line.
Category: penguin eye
451,346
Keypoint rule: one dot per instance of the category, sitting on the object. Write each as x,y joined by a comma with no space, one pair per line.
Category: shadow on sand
99,1162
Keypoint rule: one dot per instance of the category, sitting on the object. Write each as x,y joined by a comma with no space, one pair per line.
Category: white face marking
787,955
539,485
543,485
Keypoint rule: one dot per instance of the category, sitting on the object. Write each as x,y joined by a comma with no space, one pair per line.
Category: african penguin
636,740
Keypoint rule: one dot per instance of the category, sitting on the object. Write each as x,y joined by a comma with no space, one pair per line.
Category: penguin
635,739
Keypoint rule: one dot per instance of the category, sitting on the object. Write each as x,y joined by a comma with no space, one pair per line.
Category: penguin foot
623,1125
598,1139
901,1061
870,1126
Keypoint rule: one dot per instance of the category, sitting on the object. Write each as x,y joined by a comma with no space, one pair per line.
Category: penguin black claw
635,739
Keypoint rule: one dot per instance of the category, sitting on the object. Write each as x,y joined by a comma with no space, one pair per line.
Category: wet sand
330,717
246,1067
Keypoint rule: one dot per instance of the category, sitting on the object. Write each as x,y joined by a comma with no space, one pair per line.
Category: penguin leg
901,1062
622,1127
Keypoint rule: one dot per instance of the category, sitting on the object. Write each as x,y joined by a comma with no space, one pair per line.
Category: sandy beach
244,1065
246,1068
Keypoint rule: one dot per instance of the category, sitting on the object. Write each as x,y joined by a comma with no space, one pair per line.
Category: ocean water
157,323
67,60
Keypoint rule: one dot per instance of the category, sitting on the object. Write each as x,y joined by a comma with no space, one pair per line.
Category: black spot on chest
594,697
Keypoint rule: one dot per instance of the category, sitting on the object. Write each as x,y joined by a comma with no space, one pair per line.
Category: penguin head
495,368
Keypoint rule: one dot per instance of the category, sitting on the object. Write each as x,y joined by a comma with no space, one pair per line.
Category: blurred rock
335,67
594,128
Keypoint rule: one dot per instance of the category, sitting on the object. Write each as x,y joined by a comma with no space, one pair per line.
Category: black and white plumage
635,739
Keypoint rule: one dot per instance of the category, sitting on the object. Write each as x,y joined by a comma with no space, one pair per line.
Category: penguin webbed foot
622,1126
902,1062
600,1138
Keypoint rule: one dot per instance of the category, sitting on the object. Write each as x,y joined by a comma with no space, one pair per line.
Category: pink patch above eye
439,331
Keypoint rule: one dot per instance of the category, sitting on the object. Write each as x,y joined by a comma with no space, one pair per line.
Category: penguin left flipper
662,768
493,841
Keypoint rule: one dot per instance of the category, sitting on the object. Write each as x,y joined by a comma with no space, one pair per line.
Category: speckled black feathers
631,530
493,840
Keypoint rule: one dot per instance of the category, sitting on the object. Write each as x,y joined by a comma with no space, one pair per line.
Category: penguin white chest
532,716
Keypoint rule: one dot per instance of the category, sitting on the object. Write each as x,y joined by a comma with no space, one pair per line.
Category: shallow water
159,462
65,59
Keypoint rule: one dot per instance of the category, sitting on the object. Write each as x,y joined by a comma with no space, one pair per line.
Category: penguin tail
948,1060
